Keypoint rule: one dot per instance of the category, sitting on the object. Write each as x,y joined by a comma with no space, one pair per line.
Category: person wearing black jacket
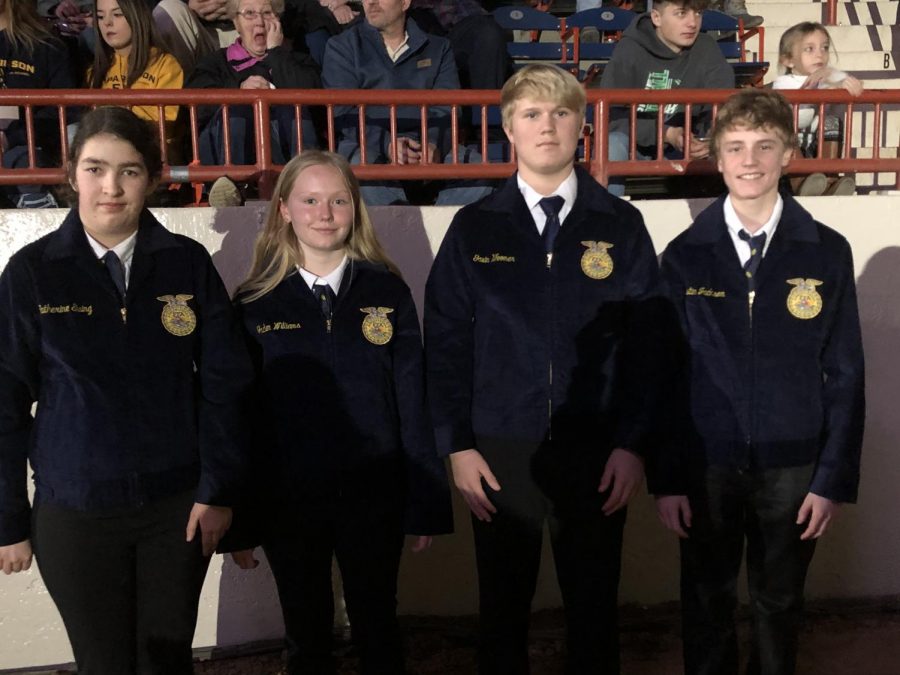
767,412
542,379
256,60
343,435
30,58
124,335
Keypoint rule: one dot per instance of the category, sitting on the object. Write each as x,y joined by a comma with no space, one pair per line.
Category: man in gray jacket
664,49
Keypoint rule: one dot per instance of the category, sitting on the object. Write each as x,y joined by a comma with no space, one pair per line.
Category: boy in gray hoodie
663,49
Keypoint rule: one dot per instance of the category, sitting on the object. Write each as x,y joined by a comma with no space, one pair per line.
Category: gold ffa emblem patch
596,262
376,327
804,301
177,317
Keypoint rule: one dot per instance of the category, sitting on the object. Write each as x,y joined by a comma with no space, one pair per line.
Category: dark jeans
759,507
243,139
558,485
366,536
126,584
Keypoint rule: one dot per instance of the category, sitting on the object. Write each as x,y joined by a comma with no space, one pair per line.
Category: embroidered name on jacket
66,309
704,292
277,325
493,258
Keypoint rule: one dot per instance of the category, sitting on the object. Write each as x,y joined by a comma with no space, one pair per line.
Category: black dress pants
555,483
759,507
125,582
366,537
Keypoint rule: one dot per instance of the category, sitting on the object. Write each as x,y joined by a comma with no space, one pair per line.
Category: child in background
804,52
130,55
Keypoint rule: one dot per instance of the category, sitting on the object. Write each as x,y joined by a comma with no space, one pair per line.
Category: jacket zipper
751,296
124,312
550,369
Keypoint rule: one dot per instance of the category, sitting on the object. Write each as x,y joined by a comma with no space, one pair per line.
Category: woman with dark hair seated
256,60
32,59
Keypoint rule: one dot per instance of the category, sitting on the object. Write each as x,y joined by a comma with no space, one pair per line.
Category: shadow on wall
860,550
240,226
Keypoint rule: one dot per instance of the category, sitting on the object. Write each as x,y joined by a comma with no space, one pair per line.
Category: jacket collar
417,38
588,196
69,241
796,224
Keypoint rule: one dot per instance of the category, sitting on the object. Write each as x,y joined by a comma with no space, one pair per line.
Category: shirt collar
733,221
333,278
568,189
124,249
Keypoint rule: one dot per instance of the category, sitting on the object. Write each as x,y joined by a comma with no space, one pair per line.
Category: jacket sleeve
339,72
638,369
224,375
439,116
449,344
293,70
843,393
59,75
19,385
427,510
620,73
667,460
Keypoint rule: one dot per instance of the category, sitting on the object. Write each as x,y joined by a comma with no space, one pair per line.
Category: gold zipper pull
124,315
327,325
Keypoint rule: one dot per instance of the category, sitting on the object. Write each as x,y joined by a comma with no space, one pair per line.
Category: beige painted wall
859,558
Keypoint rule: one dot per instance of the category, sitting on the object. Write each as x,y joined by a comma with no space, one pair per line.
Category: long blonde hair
24,27
277,251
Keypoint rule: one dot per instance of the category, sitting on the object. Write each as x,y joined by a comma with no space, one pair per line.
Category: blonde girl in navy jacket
346,455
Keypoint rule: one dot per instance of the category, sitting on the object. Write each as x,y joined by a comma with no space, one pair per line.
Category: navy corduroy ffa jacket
780,383
128,411
518,350
342,413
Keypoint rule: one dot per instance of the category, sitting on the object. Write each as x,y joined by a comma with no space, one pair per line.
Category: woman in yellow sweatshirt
129,55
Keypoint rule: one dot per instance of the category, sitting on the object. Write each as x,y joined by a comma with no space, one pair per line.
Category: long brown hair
144,39
277,251
24,27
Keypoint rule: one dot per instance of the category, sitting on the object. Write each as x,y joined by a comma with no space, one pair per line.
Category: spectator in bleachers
30,58
803,54
194,29
257,59
664,49
129,55
310,24
737,9
478,41
389,51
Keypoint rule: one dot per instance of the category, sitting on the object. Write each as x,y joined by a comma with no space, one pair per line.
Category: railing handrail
600,102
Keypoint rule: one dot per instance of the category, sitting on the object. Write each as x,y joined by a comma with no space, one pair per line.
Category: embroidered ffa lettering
277,325
493,258
66,309
423,63
804,301
704,292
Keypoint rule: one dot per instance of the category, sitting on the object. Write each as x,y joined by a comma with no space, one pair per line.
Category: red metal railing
595,153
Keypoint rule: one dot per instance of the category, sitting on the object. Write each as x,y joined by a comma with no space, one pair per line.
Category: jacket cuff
15,527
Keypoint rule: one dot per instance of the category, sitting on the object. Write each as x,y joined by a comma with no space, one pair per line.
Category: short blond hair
542,83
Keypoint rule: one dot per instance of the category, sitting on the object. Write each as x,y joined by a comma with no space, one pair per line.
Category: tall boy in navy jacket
539,354
776,395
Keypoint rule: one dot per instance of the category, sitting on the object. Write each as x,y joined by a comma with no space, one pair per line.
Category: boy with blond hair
539,343
774,380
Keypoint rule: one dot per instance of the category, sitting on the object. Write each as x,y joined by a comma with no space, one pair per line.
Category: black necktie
116,271
551,207
757,244
325,295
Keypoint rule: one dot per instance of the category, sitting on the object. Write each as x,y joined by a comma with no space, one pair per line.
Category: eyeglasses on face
253,15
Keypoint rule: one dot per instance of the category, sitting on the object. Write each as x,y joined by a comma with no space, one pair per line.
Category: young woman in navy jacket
343,436
125,336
